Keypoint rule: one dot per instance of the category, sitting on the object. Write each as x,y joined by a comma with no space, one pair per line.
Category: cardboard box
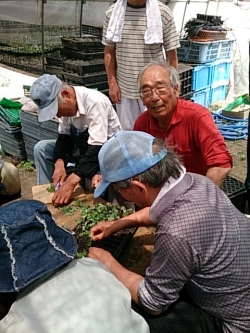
237,113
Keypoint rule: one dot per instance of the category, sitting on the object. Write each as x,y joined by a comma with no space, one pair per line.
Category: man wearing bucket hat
198,279
53,292
86,121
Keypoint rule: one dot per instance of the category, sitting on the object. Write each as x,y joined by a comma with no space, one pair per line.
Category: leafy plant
90,216
50,188
69,210
26,166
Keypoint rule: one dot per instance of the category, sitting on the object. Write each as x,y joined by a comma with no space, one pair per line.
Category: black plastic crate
69,54
86,44
101,86
82,67
236,192
187,97
90,30
185,74
86,79
117,242
54,59
54,70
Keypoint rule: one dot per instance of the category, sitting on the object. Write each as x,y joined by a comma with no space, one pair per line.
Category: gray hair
172,72
59,96
157,175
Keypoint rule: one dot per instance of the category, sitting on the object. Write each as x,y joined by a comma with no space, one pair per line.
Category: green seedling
69,210
26,166
91,215
51,188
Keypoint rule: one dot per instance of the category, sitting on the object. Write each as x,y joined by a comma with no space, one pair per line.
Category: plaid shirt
202,242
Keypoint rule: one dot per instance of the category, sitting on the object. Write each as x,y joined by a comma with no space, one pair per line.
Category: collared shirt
202,243
95,113
193,134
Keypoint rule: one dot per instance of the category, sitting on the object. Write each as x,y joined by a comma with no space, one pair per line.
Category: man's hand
101,230
59,175
115,93
96,180
103,256
64,193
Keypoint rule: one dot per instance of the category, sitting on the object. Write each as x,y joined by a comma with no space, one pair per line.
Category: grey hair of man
172,72
157,175
59,96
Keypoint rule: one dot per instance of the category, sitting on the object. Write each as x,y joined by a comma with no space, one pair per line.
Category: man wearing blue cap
86,120
198,279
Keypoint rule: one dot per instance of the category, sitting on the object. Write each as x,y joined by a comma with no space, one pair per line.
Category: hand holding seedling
101,230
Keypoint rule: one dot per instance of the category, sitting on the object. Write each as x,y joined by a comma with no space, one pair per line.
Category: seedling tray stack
11,137
33,131
85,79
185,74
83,64
236,192
85,44
82,67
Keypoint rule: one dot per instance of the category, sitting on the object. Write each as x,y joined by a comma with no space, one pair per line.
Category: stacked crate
211,63
11,138
185,73
34,131
84,64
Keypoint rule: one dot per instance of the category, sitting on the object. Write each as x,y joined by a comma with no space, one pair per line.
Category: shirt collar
79,98
170,183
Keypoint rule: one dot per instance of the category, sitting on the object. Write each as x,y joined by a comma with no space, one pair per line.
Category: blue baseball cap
125,155
44,93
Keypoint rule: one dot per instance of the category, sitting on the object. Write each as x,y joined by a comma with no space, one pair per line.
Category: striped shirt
202,242
132,54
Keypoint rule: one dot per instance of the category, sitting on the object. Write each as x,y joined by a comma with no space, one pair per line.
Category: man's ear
176,91
140,186
65,93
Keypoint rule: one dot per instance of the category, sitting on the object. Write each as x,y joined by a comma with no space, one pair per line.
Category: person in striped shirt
135,32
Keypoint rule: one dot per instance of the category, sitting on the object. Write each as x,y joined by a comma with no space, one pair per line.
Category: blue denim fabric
31,244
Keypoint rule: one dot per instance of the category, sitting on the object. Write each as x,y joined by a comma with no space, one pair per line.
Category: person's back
81,297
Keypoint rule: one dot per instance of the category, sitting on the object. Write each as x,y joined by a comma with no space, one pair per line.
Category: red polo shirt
193,134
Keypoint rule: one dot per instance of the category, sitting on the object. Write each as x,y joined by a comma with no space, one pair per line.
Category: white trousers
128,111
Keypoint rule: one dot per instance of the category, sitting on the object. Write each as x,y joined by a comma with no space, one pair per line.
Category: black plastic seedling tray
115,244
236,192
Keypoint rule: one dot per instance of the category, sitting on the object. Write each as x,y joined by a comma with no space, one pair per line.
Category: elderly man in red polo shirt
187,126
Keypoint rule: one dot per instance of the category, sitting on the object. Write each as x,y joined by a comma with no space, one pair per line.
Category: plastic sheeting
68,13
64,13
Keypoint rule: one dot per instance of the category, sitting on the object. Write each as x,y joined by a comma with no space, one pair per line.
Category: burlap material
9,179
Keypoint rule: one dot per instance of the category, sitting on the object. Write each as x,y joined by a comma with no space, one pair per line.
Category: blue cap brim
49,112
101,188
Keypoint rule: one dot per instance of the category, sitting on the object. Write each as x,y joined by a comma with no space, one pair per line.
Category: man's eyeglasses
148,92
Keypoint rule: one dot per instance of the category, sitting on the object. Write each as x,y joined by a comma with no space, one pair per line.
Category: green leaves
90,216
50,188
